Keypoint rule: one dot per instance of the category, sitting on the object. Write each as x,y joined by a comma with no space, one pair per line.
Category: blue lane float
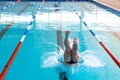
100,42
8,5
6,68
30,24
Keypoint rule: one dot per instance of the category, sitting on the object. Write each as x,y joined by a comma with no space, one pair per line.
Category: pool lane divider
5,29
8,5
6,68
11,23
96,37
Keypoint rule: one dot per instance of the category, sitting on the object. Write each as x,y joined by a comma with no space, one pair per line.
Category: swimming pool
37,58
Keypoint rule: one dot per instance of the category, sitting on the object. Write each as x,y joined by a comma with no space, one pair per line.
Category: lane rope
97,38
11,23
10,4
5,70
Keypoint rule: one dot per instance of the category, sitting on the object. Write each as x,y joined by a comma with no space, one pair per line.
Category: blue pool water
38,57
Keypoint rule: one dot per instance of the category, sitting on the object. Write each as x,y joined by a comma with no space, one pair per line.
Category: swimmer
71,55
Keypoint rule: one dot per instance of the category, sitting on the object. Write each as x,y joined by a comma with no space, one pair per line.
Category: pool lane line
5,29
11,23
6,68
23,9
96,37
10,4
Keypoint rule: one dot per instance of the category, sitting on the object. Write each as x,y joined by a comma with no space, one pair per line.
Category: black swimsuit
71,62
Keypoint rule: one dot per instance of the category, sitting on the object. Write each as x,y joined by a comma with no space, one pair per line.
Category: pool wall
45,0
116,12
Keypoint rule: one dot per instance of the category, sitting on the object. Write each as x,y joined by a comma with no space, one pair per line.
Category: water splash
49,60
90,60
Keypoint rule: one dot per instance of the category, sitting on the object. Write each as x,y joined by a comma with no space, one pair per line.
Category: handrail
100,42
5,70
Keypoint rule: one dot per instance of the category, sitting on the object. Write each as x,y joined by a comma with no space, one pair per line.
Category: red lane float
104,47
110,54
5,70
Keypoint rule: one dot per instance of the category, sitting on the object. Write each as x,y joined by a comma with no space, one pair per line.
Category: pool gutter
109,8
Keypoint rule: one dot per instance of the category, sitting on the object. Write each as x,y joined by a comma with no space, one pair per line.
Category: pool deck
114,4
